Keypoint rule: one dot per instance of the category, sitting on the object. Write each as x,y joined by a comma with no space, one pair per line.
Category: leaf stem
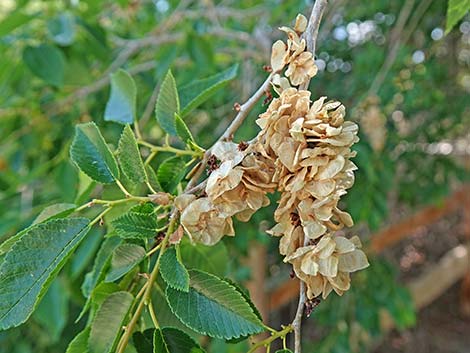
99,217
152,314
168,148
274,336
148,290
111,203
154,250
123,189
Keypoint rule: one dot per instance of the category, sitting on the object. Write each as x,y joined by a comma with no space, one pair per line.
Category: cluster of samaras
303,151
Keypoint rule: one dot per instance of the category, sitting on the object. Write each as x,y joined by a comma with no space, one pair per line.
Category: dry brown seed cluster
310,144
293,54
237,188
303,151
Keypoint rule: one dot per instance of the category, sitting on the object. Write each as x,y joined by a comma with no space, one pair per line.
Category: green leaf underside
182,129
91,154
167,104
129,157
172,340
98,272
52,312
32,263
152,178
197,92
58,210
171,172
456,10
121,105
212,259
125,258
173,271
108,322
80,343
222,311
99,266
47,62
136,225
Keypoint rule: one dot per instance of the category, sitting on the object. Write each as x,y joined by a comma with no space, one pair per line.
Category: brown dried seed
212,163
295,219
310,305
267,68
242,146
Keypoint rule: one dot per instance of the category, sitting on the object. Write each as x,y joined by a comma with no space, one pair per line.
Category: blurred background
402,79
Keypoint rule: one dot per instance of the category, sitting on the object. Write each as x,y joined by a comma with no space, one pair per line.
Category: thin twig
311,35
245,109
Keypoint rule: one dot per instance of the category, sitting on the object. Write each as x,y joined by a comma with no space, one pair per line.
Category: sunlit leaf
129,157
173,271
121,105
167,104
32,263
91,154
222,310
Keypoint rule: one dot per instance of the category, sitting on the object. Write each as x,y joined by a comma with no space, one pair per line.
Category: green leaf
32,263
85,188
284,351
246,295
80,343
100,265
58,210
85,253
136,225
199,91
456,10
167,104
182,129
121,105
62,28
212,259
108,322
129,157
47,62
7,244
152,178
103,291
12,21
222,310
172,340
163,312
173,271
91,154
143,341
125,258
52,312
171,172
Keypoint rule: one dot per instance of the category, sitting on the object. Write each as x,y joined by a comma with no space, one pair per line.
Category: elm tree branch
310,35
